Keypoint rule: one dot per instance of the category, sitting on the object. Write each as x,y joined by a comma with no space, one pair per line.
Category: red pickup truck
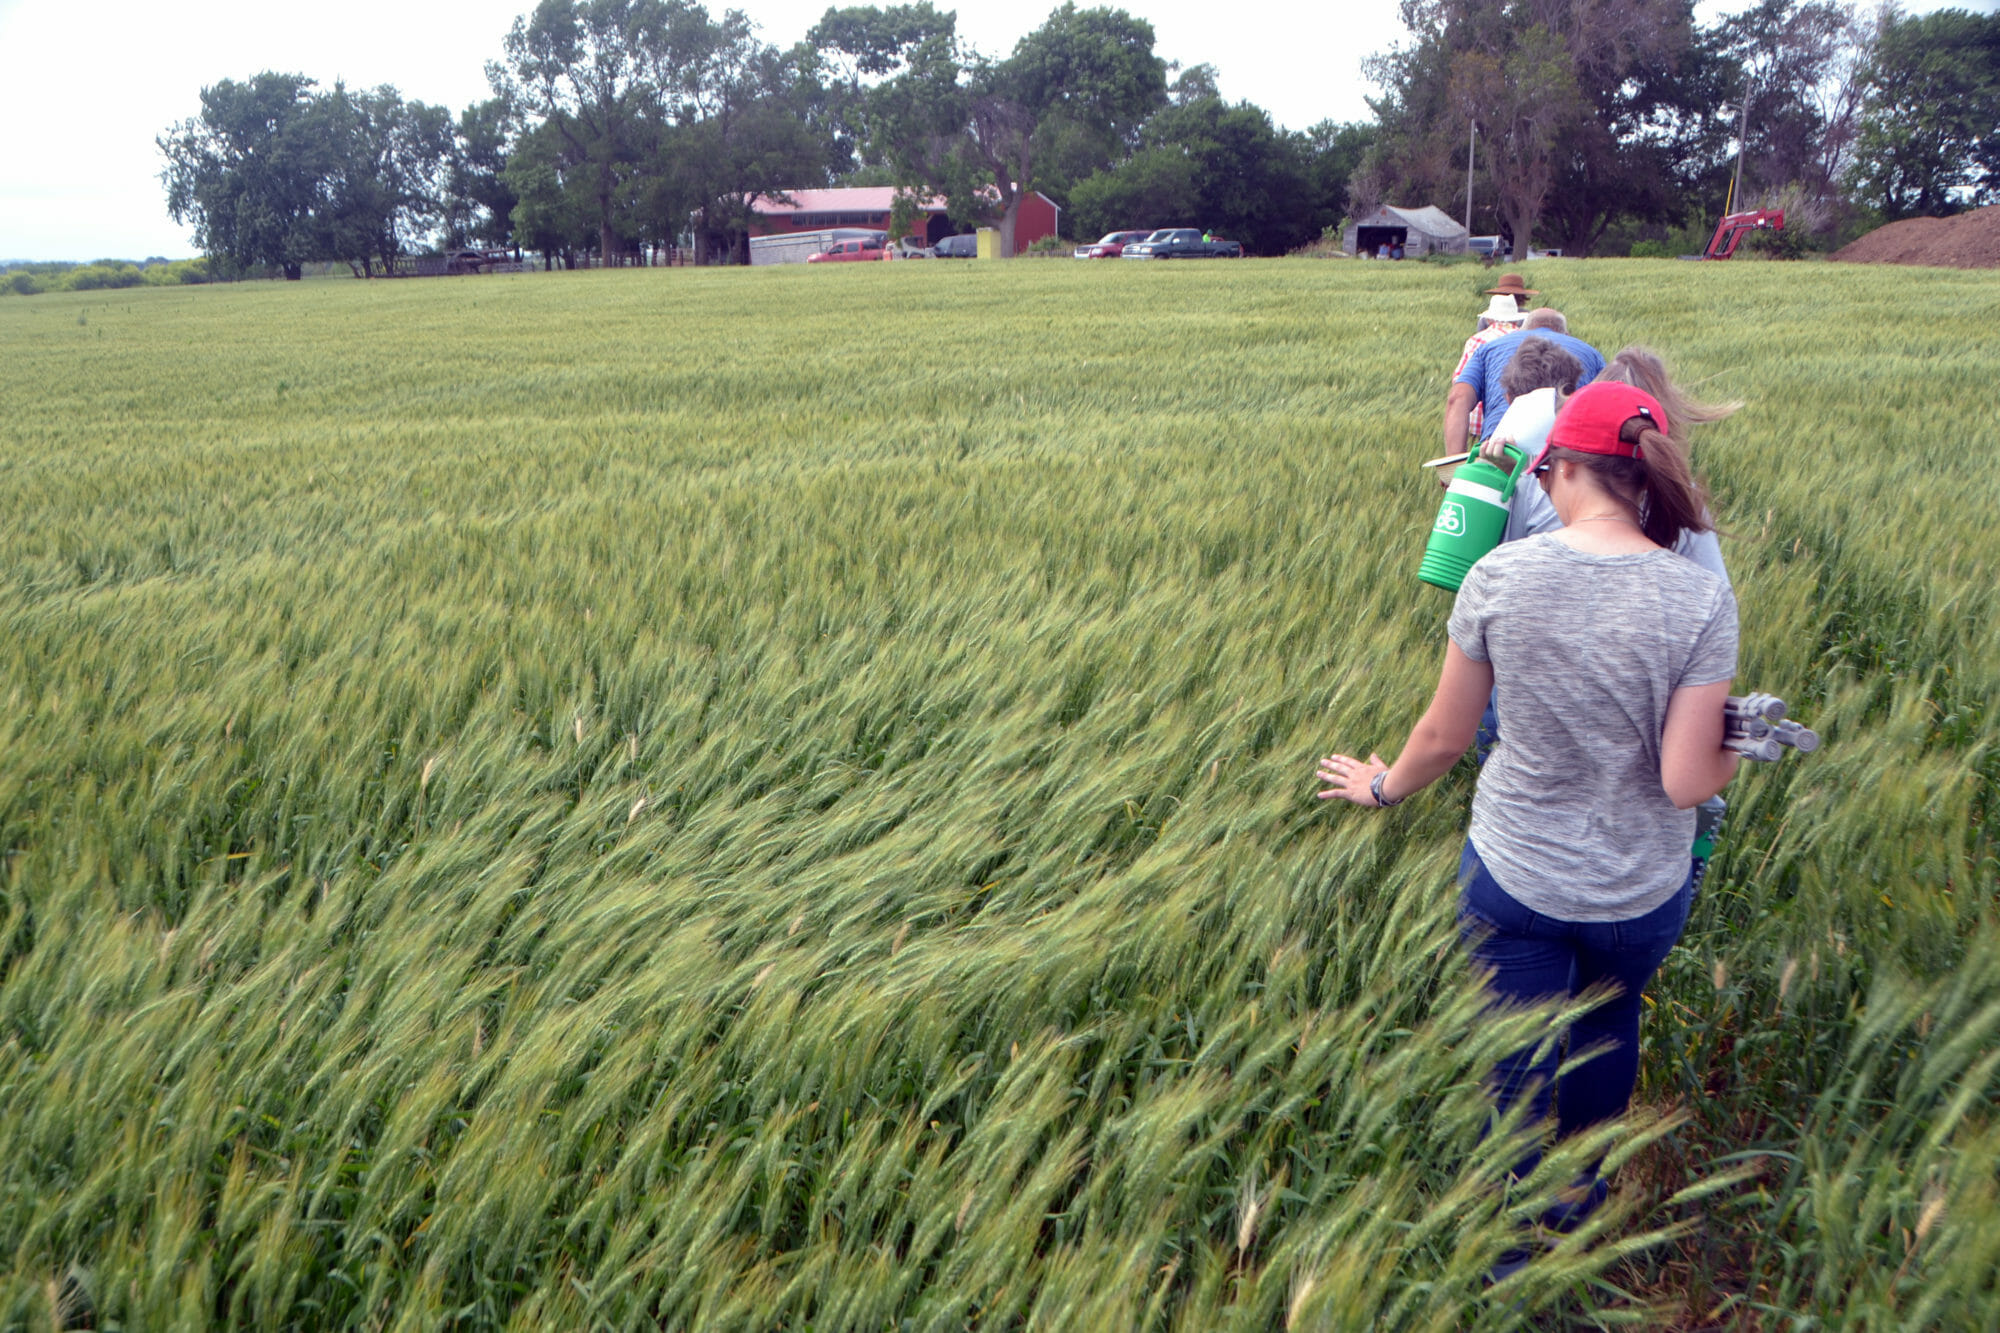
848,252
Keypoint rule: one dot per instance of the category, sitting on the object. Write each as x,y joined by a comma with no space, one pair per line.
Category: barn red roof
850,199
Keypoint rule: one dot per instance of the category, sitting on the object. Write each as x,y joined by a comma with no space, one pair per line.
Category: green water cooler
1471,520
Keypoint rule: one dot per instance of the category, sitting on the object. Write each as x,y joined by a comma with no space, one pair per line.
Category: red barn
868,206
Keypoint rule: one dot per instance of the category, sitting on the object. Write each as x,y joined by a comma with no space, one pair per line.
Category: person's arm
1442,734
1693,764
1533,514
1704,550
1457,407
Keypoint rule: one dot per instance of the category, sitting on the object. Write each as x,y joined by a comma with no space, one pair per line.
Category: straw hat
1503,310
1511,285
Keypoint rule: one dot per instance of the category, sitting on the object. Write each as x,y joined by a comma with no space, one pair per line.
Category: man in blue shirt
1479,382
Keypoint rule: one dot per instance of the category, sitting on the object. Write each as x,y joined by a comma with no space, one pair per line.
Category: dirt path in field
1970,240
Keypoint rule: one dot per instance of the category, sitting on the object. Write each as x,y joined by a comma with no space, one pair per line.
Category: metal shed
1420,231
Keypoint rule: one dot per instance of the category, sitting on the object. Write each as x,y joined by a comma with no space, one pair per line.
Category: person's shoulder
1474,371
1496,351
1582,349
1500,578
1693,573
1697,583
1528,551
1711,584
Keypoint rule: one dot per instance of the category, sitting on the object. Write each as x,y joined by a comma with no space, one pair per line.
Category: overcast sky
89,84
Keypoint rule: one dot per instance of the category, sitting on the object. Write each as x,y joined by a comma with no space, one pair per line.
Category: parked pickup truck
1182,243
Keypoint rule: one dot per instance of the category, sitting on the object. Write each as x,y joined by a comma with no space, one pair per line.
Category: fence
463,261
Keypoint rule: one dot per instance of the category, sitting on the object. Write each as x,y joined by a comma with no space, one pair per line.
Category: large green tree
479,202
554,193
1550,86
1794,83
754,120
273,173
248,173
593,71
650,118
1074,92
1930,135
388,173
1208,163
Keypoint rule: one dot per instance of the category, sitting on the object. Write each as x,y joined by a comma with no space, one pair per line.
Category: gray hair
1546,317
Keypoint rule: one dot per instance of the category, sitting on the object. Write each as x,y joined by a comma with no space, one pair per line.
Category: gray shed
1420,231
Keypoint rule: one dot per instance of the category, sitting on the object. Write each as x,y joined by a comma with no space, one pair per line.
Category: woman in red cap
1611,657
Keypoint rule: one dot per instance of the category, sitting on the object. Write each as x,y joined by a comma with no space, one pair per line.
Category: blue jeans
1533,957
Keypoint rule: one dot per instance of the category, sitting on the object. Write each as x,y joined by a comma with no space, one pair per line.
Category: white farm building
1420,231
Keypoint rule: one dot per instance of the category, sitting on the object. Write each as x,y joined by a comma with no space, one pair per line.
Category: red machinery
1736,226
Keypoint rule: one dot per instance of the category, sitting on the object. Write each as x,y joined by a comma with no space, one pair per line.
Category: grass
782,799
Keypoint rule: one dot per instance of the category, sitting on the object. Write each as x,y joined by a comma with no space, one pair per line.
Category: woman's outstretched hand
1347,777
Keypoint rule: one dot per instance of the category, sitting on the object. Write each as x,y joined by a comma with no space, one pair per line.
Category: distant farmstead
1420,231
867,208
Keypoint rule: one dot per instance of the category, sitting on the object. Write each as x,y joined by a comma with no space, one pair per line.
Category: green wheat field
782,800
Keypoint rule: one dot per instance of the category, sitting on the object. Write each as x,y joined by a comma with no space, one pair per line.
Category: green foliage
655,119
1206,163
1089,78
1335,151
520,814
34,279
1572,121
1638,240
1801,65
904,209
1153,188
1595,119
768,122
478,205
878,40
274,174
984,132
103,275
389,166
1790,243
1928,142
552,208
247,172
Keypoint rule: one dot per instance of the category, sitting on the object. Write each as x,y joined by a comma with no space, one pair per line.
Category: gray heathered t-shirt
1534,513
1570,816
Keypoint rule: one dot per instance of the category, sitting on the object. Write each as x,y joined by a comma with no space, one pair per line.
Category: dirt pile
1970,240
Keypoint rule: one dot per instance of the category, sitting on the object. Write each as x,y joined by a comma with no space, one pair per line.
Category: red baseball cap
1590,421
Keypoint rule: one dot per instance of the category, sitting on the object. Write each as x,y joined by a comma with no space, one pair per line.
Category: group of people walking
1591,656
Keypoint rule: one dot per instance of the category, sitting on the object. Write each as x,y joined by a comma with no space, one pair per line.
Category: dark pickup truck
1182,243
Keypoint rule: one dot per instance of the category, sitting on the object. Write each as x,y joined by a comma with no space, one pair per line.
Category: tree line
618,126
32,279
1593,120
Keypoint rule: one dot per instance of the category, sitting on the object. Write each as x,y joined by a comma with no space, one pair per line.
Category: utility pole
1742,133
1471,134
